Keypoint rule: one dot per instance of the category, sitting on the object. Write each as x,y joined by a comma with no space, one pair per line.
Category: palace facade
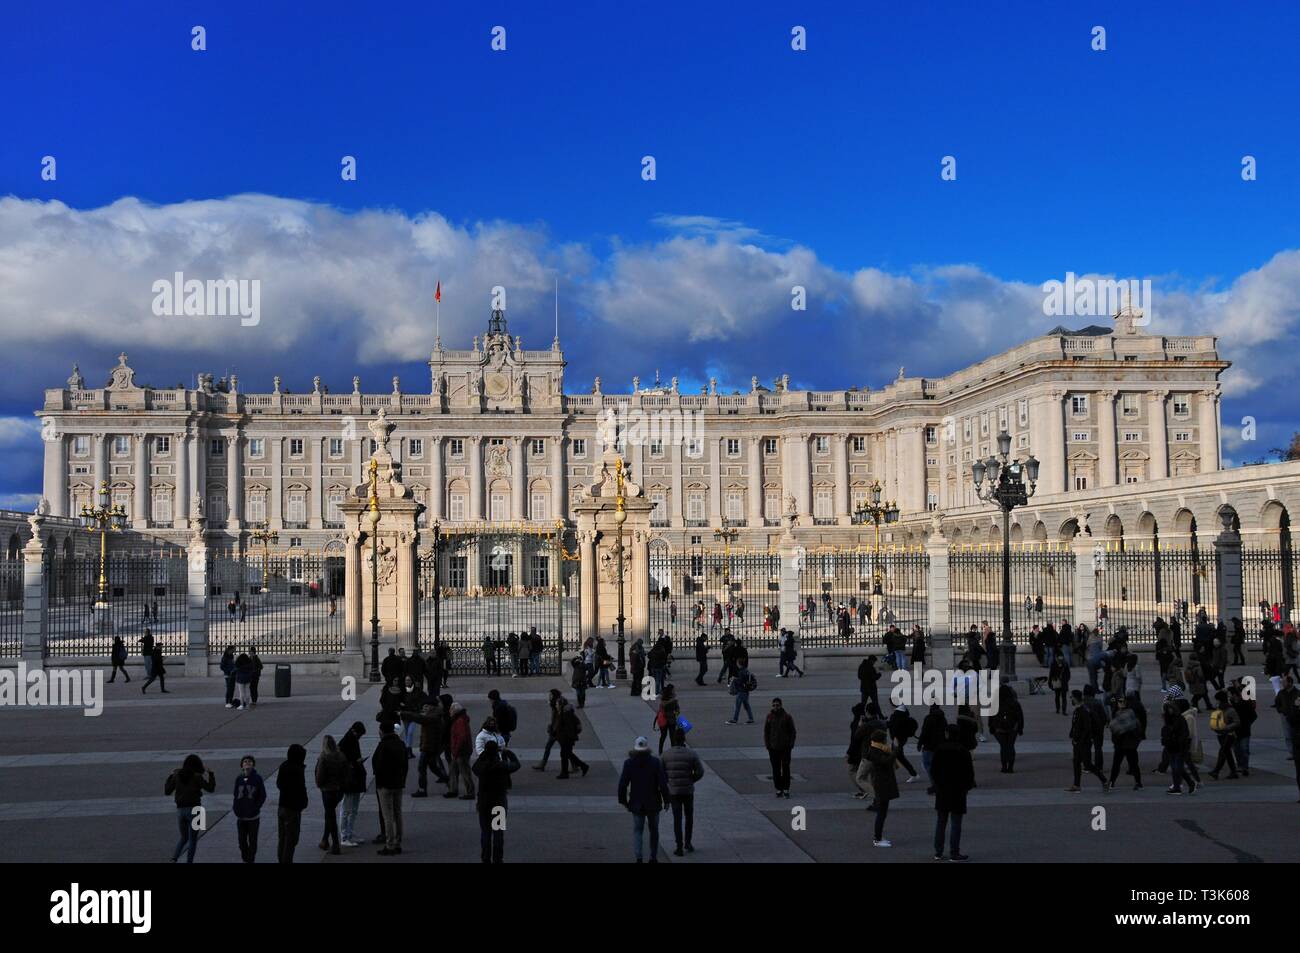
496,437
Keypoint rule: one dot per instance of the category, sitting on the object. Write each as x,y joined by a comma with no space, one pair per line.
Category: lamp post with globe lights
103,519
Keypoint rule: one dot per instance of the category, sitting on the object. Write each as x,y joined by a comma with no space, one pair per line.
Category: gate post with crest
397,535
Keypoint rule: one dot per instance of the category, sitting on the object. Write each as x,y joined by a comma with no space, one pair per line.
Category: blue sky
523,167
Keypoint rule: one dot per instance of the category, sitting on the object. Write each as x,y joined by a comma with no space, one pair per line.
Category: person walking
331,775
552,727
430,719
1081,732
666,717
1058,680
954,776
778,738
291,782
355,785
1007,724
1175,741
741,685
701,656
683,768
117,658
902,727
493,769
505,714
459,751
1224,722
250,795
146,651
643,790
934,732
884,762
390,766
1125,735
1247,713
568,726
157,671
867,679
789,654
187,784
578,680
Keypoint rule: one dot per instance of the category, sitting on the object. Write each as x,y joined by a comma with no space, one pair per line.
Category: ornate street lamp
620,517
373,517
103,519
266,536
727,535
1010,484
875,511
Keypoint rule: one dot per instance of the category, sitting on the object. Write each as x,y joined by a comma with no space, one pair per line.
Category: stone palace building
496,437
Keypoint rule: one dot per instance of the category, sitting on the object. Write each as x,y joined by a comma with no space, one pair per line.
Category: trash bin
283,680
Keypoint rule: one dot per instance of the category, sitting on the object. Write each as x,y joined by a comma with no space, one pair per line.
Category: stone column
754,468
56,474
679,483
945,447
181,497
559,485
199,467
937,595
437,480
35,596
1158,441
140,482
1228,579
1209,431
1053,475
474,444
316,458
196,617
101,465
276,512
352,661
840,447
1085,578
1107,447
234,480
714,449
891,465
911,470
587,597
518,480
803,464
792,564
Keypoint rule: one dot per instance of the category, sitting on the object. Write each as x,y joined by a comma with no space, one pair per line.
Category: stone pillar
937,595
1158,440
1107,451
559,487
101,465
1209,431
754,475
234,481
316,460
587,595
199,468
840,447
474,444
56,474
1056,443
518,480
35,596
803,470
714,449
181,497
679,483
196,613
792,564
437,481
911,470
1227,581
276,512
1085,578
891,465
352,661
140,482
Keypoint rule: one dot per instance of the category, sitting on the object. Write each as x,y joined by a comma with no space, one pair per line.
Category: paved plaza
74,788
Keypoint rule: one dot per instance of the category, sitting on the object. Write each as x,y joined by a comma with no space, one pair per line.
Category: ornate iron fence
141,591
477,588
1268,585
875,587
285,603
714,589
11,607
1139,583
1042,587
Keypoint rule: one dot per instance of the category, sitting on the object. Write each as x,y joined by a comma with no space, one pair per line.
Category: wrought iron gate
713,589
479,586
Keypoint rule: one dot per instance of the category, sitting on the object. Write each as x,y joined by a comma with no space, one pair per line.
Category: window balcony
823,521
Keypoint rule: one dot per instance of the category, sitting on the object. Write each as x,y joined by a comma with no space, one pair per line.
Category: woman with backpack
666,717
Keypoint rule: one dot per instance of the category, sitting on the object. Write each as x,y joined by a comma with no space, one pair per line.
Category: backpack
507,717
1217,721
751,683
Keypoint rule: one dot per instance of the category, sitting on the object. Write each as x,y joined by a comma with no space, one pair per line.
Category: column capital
841,438
1209,396
1158,394
1056,393
1107,394
233,438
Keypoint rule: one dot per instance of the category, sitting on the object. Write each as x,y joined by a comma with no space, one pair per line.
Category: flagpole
437,317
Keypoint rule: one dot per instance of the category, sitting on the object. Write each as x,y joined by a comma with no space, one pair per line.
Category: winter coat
291,779
188,786
934,731
460,743
331,772
567,725
643,784
682,767
953,772
778,731
350,748
493,772
250,795
1125,732
389,762
883,765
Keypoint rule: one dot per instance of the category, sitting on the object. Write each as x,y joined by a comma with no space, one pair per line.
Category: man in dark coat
390,766
778,738
954,775
867,678
643,790
291,781
391,668
702,657
493,770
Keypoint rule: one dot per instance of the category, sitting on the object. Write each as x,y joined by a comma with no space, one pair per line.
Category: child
250,795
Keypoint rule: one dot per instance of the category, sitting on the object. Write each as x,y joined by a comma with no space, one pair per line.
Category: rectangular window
695,506
932,501
257,448
579,447
860,442
540,507
218,446
456,447
656,448
965,429
334,507
336,446
984,425
539,571
456,507
121,446
822,503
823,444
256,508
932,434
769,446
733,447
162,507
1022,412
539,447
295,447
416,447
658,507
772,505
1080,436
162,446
1182,436
297,507
80,446
1079,405
1132,436
1181,406
1129,404
498,508
735,505
458,572
694,448
1080,481
497,442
